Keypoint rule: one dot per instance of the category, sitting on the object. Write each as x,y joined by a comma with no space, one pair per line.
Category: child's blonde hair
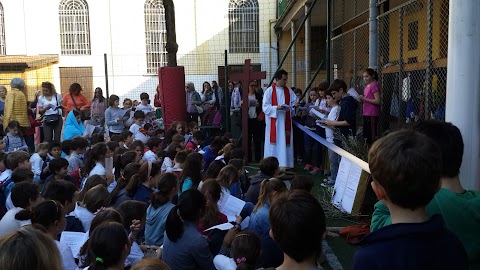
41,147
267,188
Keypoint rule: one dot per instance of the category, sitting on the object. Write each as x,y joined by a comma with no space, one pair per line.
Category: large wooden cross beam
246,77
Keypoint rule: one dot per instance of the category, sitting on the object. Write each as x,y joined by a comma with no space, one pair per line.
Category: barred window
243,26
155,35
74,27
3,50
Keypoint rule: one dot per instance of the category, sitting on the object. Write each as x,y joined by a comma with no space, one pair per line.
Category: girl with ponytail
272,255
184,247
165,189
108,247
51,216
140,186
245,251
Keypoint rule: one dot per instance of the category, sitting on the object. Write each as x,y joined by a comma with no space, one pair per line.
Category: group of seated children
165,198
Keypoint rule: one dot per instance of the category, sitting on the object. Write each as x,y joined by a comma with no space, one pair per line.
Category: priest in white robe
278,102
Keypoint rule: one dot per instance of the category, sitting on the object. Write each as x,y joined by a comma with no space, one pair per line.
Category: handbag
199,108
52,119
84,115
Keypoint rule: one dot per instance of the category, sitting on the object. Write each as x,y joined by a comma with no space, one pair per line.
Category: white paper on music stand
230,206
74,240
89,130
351,188
346,185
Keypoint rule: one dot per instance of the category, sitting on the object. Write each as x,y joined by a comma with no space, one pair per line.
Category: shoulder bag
52,119
85,115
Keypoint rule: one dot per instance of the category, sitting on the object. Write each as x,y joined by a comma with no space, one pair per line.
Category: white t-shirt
145,108
68,262
137,134
333,116
98,169
43,102
37,162
149,156
166,165
84,216
223,262
9,224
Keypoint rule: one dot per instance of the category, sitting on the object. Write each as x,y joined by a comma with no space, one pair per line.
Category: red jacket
33,123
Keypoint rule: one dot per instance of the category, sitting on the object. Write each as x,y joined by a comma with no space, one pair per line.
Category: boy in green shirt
460,208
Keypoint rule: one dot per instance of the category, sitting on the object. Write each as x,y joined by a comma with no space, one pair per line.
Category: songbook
89,130
230,206
74,240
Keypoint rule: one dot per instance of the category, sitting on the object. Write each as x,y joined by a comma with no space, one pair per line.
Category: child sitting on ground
127,139
298,227
78,147
179,161
302,182
153,145
37,160
59,169
197,139
269,167
406,168
137,129
18,175
14,140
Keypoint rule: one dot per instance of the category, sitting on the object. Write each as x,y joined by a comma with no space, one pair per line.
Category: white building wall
117,29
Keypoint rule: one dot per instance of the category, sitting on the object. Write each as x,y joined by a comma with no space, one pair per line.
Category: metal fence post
428,71
227,95
105,63
400,62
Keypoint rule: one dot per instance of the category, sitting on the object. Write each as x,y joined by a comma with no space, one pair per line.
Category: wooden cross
246,77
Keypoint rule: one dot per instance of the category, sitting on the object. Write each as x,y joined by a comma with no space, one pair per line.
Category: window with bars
74,27
243,26
3,50
155,35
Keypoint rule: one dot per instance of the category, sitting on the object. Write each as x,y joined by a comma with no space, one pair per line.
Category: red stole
288,118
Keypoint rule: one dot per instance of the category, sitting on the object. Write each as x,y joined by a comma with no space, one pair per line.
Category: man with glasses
278,102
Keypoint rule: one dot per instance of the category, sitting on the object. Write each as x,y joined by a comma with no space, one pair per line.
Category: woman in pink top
371,104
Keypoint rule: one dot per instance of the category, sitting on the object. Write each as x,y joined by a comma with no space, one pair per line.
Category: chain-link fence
412,58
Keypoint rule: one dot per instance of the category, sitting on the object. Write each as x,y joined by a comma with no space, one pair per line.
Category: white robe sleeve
268,109
293,100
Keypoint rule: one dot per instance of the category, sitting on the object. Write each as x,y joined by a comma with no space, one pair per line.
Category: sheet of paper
108,167
341,182
351,188
230,206
352,92
228,225
222,227
74,240
89,130
316,114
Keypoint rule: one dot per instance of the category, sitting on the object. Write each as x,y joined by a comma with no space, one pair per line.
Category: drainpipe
372,38
294,55
172,46
270,22
308,30
329,41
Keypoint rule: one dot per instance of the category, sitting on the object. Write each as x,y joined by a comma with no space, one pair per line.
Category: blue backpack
3,195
